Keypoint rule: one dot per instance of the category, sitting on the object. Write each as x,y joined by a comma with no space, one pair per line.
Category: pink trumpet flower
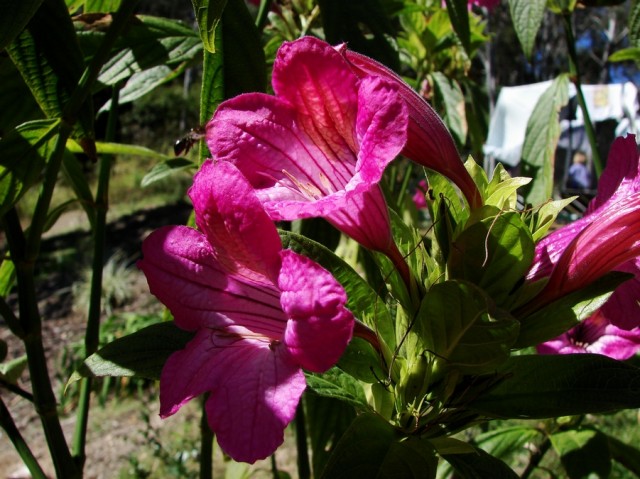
607,238
320,145
429,143
260,314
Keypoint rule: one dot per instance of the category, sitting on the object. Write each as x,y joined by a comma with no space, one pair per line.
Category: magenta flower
429,143
320,145
489,4
259,314
419,195
607,238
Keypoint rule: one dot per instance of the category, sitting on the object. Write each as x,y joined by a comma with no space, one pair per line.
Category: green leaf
7,277
545,386
631,53
362,362
455,324
450,100
75,176
14,16
141,354
370,448
24,152
459,14
545,216
53,215
501,443
144,82
208,14
48,57
479,465
625,454
564,313
12,370
527,17
149,42
494,253
542,134
327,420
212,93
365,26
107,148
244,60
501,191
338,385
582,452
12,112
165,169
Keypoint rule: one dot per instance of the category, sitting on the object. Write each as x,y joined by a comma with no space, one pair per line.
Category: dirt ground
127,430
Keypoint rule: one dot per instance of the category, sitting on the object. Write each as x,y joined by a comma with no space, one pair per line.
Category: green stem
24,252
576,78
92,333
17,390
206,444
10,318
263,12
29,460
304,470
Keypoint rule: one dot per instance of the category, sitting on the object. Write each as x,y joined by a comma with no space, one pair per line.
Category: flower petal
184,274
258,387
229,213
320,327
622,309
255,389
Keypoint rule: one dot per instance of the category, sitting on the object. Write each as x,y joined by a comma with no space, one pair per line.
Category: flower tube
259,313
607,238
429,142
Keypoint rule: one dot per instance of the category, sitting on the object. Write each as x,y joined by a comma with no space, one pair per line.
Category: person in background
579,176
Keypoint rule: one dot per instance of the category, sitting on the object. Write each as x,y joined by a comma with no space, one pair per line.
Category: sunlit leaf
165,169
527,17
208,13
542,134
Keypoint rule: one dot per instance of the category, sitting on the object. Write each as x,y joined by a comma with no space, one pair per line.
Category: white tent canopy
515,105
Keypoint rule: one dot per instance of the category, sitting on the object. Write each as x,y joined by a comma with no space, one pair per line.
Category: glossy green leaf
542,134
494,253
208,14
582,452
450,101
545,216
362,362
502,193
141,354
48,57
527,17
545,386
459,14
455,324
165,169
564,313
336,384
14,16
479,465
327,420
24,152
370,448
212,93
